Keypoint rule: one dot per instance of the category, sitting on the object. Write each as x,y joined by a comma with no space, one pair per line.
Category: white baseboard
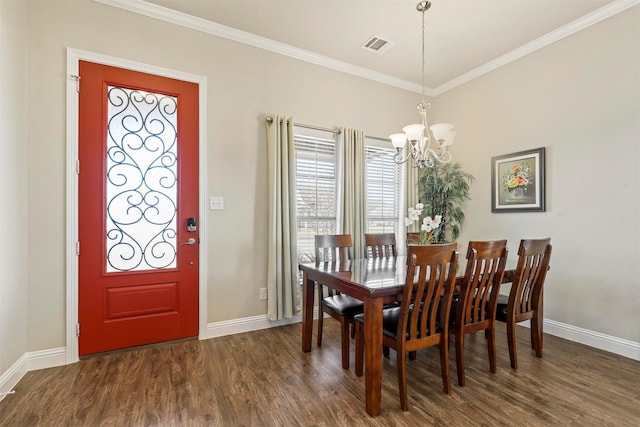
31,361
50,358
604,342
10,378
247,324
43,359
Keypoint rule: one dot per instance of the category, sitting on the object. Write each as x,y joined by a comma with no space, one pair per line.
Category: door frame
74,56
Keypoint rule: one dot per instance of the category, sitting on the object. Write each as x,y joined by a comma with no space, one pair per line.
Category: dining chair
336,248
474,308
413,237
422,319
379,245
524,301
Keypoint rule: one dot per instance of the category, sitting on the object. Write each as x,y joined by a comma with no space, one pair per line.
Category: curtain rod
269,120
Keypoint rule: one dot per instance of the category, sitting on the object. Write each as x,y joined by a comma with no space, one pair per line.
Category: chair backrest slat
533,262
380,245
333,247
426,302
486,262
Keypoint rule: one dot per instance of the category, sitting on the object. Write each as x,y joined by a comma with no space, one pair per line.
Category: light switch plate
216,203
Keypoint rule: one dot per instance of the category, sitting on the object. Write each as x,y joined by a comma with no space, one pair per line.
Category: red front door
138,208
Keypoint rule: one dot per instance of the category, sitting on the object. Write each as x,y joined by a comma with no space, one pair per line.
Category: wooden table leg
307,312
373,354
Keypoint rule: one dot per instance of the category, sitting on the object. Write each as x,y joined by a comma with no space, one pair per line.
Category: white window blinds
383,188
315,188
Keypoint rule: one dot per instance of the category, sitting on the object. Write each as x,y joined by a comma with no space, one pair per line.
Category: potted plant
442,189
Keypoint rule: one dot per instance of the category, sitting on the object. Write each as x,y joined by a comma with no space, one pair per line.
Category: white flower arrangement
429,229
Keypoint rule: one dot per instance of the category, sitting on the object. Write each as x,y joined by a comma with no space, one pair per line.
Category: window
317,177
316,193
383,184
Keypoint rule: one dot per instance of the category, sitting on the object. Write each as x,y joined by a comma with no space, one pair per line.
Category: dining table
376,282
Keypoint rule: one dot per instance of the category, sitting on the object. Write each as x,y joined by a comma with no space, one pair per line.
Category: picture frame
518,181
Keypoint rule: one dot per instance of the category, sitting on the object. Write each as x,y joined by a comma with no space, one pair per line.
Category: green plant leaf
442,189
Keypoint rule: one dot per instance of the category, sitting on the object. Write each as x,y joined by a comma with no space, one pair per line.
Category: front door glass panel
141,180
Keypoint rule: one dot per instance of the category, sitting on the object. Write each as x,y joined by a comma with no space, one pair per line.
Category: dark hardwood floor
262,378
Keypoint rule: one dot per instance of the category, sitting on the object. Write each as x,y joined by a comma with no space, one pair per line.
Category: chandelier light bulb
398,140
414,132
449,140
441,131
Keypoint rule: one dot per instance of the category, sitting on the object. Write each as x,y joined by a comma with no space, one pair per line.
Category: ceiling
464,38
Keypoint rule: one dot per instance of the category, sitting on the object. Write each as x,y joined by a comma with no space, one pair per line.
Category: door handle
189,242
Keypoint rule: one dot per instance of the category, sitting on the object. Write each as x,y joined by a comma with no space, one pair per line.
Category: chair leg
536,333
320,320
491,346
320,314
413,355
359,349
444,364
459,341
385,351
402,378
344,329
511,339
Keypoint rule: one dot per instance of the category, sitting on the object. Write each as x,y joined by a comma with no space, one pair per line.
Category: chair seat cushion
390,317
389,320
344,305
501,311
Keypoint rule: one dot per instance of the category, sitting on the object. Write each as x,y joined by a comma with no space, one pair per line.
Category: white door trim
74,56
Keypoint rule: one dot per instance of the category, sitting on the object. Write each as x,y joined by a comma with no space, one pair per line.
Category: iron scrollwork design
141,174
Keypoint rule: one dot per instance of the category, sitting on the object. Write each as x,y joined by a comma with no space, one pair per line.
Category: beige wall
244,84
13,177
579,98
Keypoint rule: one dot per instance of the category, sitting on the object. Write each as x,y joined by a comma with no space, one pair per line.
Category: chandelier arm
426,158
442,155
399,158
445,157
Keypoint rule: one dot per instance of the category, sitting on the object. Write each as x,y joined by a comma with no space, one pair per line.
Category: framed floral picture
517,182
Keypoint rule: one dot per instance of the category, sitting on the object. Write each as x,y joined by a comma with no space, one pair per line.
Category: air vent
377,44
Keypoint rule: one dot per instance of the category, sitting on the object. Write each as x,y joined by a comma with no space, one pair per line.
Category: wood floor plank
262,378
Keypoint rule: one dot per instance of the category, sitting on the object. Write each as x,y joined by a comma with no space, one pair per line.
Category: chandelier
425,148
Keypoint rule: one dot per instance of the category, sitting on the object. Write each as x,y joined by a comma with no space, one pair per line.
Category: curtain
352,203
282,263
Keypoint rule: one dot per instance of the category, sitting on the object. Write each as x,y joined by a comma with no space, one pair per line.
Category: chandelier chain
423,60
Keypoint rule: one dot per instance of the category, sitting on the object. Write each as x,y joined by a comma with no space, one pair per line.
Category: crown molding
178,18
